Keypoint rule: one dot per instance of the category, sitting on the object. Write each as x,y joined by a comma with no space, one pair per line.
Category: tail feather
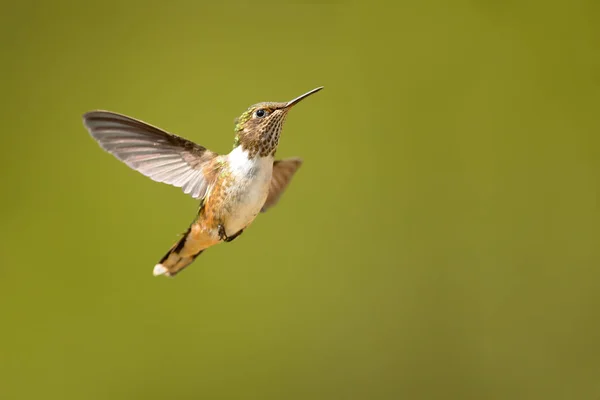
177,258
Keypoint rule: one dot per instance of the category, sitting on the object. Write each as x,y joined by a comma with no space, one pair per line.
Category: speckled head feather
259,127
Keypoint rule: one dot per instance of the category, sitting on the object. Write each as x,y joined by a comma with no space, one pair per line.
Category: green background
441,240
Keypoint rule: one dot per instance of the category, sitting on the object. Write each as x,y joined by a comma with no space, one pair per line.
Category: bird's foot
223,236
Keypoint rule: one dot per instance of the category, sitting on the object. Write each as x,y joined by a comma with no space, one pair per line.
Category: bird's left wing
283,171
159,155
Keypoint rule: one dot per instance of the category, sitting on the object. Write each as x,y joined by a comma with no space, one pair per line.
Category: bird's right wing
159,155
283,171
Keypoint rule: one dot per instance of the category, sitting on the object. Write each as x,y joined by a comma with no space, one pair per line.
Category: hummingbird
232,188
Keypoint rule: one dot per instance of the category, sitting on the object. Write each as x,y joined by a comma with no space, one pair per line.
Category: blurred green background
441,240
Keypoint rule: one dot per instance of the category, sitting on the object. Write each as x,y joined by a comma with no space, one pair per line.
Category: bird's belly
242,215
246,197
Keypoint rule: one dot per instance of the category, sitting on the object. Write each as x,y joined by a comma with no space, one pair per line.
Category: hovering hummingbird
232,188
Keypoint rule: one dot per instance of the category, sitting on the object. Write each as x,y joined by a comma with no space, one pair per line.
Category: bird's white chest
248,190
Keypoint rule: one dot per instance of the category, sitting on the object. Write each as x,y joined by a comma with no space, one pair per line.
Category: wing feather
159,155
283,171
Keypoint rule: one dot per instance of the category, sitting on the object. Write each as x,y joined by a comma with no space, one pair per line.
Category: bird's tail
179,256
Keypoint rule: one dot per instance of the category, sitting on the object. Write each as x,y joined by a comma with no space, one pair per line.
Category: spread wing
283,171
159,155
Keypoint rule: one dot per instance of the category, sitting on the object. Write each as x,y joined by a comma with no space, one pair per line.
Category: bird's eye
261,113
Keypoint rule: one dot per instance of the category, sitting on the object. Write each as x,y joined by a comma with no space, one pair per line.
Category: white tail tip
160,270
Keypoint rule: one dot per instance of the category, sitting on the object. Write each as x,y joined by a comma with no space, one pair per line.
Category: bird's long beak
299,98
